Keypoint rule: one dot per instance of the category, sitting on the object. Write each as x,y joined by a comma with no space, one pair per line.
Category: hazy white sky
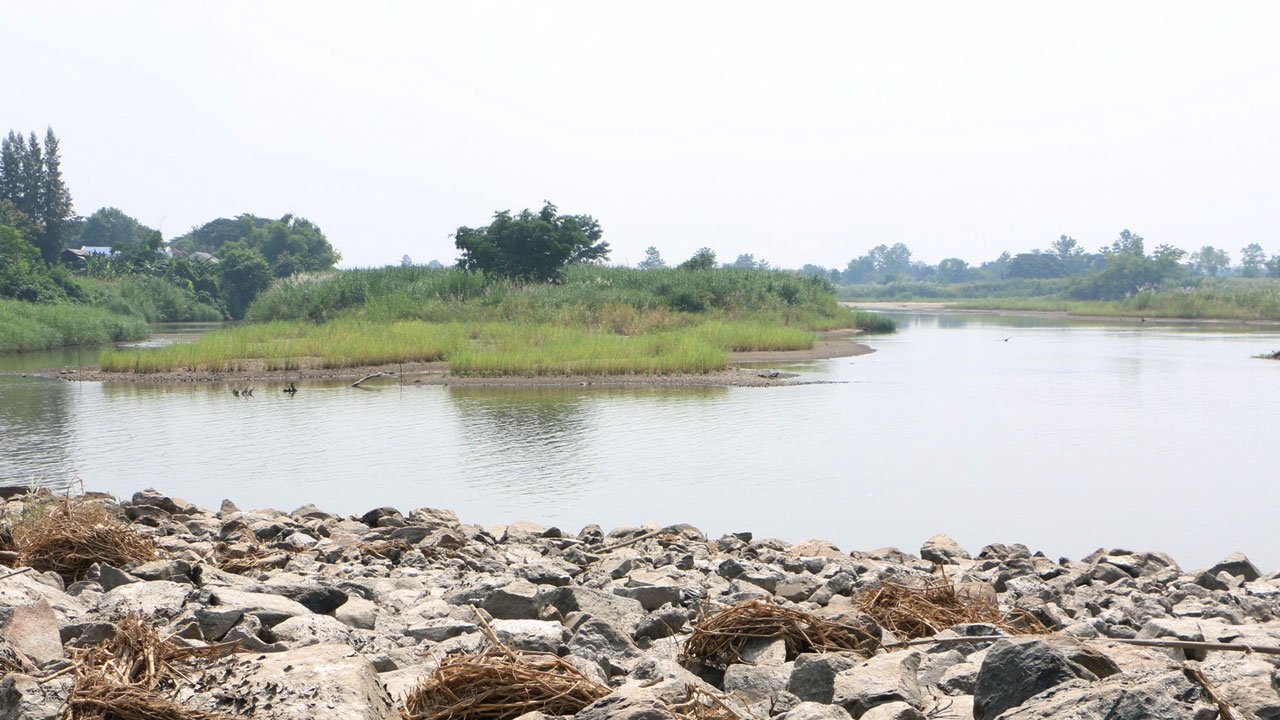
800,132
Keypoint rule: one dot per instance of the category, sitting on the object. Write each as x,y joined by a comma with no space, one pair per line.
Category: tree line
220,265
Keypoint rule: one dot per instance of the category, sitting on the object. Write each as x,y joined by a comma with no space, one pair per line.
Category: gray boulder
22,697
896,710
1238,565
531,635
159,598
756,683
808,710
1014,671
813,675
319,681
1166,696
303,630
33,629
882,679
941,549
626,703
270,609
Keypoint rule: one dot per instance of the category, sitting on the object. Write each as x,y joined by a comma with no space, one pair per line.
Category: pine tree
55,201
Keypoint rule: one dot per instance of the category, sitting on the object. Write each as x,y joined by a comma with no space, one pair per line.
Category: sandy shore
835,344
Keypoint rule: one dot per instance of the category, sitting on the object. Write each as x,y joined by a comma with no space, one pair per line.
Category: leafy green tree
1251,260
1273,266
652,259
953,270
1128,269
242,273
704,259
31,179
289,245
891,261
529,246
406,261
111,227
1209,260
859,270
1036,265
748,261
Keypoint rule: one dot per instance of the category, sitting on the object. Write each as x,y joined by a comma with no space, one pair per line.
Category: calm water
1067,437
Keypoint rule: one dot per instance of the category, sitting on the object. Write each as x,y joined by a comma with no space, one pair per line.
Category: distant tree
531,246
406,261
31,179
859,270
1128,269
953,270
111,227
1209,260
748,261
815,270
891,261
289,245
1070,253
1036,265
1252,259
1127,244
652,259
704,259
242,273
435,264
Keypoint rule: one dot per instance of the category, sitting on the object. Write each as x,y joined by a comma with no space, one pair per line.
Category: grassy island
595,321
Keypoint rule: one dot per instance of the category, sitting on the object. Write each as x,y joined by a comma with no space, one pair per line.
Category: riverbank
958,307
830,345
278,613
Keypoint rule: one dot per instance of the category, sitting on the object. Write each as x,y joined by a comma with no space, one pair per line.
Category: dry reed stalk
239,561
139,655
719,640
498,684
68,537
95,696
699,704
923,611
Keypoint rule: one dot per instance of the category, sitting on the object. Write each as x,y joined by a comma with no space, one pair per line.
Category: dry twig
719,640
70,536
498,684
918,612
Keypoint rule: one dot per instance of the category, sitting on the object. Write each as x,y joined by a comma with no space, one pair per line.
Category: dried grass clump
719,640
499,684
97,697
912,612
700,704
121,679
69,535
240,558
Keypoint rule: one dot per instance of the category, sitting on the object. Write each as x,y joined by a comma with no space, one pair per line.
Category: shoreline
949,307
829,345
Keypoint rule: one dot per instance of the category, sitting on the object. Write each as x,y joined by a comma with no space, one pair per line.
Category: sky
798,132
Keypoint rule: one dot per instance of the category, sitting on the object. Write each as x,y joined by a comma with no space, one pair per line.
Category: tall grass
1209,298
26,327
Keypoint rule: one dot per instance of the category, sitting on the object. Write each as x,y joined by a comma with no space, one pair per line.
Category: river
1062,435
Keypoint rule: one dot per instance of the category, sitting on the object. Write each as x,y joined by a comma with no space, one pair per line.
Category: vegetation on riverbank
25,327
598,321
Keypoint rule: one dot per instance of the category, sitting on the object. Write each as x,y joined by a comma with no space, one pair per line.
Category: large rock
33,629
1239,565
1165,696
813,675
1014,671
531,635
303,630
621,611
879,680
808,710
320,681
756,683
514,601
626,703
156,599
23,697
941,549
269,608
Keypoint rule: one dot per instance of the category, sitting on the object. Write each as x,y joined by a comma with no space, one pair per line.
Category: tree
1036,265
652,259
1070,253
748,261
1209,260
406,261
530,246
953,270
1251,260
704,259
242,273
891,261
31,179
289,245
111,227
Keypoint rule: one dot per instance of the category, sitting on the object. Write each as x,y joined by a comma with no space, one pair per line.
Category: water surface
1062,435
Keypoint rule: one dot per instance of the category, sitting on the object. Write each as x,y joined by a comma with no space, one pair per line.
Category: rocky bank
339,617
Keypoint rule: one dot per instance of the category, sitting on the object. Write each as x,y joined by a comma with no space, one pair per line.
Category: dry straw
912,612
70,535
121,679
720,640
498,683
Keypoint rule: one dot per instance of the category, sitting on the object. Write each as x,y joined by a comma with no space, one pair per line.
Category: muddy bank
828,346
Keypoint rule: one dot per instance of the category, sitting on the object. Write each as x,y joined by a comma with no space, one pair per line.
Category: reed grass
25,327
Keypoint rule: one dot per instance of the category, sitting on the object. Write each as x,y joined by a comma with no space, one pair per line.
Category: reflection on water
1067,436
